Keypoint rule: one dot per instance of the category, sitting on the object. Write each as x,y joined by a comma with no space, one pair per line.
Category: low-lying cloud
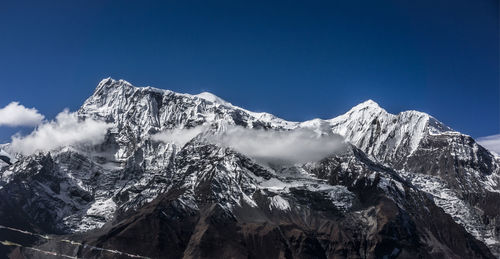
178,136
289,147
15,114
492,143
265,146
65,130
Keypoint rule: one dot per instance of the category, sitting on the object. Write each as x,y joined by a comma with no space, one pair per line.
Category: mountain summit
181,175
368,104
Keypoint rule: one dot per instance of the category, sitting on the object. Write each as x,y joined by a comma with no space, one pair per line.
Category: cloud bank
178,136
492,143
278,147
65,130
15,114
265,146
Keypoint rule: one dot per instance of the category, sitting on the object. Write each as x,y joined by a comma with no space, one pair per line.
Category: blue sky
296,59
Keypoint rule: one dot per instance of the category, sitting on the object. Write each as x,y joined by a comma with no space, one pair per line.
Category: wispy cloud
15,114
492,143
295,146
65,130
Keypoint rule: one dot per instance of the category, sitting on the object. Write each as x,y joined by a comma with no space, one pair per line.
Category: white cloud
178,136
65,130
15,114
270,147
492,143
295,146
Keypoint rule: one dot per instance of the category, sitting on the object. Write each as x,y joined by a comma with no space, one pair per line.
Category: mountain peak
367,104
367,107
104,81
108,83
212,98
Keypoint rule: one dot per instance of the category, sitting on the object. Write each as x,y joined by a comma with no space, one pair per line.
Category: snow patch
278,202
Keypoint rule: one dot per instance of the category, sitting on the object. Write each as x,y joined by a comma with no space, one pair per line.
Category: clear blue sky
296,59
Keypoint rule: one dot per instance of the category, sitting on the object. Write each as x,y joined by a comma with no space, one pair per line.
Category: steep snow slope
383,135
436,158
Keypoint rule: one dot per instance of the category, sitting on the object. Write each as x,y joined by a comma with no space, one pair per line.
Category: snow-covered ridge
212,98
384,136
123,89
363,111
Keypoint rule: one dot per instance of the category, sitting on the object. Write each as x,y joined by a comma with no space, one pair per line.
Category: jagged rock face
372,216
148,110
41,195
385,136
459,160
407,187
434,157
407,140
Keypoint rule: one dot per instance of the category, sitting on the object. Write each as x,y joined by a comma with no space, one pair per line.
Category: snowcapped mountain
162,184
